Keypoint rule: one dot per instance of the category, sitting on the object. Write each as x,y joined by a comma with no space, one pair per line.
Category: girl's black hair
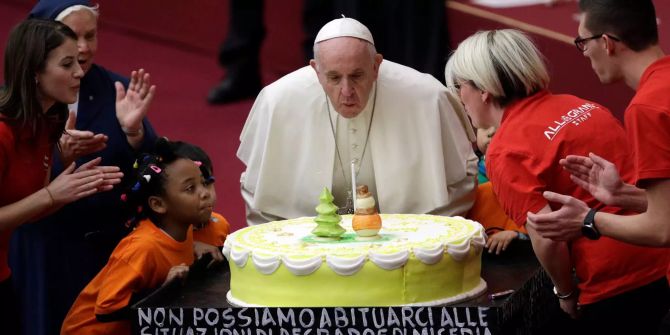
148,179
28,48
195,153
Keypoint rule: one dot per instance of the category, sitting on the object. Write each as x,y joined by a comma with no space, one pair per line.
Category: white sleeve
254,216
458,144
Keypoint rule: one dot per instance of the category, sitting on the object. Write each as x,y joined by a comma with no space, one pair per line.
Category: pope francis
352,115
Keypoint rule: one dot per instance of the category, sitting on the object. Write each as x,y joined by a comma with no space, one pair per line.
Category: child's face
212,193
484,138
187,198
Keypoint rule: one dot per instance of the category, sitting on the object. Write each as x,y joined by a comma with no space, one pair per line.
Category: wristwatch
589,229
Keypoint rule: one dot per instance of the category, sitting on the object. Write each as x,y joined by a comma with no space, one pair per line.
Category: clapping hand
594,174
564,224
111,175
75,144
132,105
90,178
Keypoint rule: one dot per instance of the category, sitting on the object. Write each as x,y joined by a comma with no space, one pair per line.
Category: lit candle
353,182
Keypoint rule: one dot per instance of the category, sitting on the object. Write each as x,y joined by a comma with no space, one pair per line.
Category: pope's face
347,70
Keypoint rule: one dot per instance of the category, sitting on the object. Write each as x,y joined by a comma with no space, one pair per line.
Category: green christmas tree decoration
327,220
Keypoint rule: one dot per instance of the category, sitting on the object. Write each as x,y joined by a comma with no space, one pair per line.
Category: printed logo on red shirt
575,116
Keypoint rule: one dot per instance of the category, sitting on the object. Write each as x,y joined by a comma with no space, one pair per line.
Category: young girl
208,236
215,230
167,195
41,76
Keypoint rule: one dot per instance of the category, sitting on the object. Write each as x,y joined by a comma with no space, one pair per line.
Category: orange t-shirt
214,232
487,211
522,162
139,263
647,121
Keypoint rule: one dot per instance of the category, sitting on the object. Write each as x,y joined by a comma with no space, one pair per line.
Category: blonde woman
502,81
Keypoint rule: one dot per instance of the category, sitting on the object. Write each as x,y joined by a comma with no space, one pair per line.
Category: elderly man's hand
132,105
594,174
75,144
564,224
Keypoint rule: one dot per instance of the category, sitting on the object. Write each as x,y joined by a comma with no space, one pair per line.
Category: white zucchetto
344,27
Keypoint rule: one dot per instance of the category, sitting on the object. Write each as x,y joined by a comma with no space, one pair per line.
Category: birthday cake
416,260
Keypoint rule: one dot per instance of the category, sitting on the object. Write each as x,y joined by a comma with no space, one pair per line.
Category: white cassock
420,146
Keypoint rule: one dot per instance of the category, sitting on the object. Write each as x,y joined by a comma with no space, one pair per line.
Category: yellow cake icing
419,260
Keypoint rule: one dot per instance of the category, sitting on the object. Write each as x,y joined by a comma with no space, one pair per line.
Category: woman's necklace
349,205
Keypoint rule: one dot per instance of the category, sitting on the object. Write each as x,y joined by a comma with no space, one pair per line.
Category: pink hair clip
197,163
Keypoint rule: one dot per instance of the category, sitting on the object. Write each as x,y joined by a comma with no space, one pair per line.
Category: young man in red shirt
620,38
628,52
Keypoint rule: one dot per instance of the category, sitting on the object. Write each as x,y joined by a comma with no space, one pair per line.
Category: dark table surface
208,288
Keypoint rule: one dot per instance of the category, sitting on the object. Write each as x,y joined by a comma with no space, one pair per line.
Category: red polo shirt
522,162
24,163
647,120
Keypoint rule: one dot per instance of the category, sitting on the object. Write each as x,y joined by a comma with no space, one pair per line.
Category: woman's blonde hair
504,63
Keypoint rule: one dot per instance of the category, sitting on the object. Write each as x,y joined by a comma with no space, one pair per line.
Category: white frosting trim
390,261
345,266
239,257
459,251
430,255
266,264
226,249
475,292
479,241
302,267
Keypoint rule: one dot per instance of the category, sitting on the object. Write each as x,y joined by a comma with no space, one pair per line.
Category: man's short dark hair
632,21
